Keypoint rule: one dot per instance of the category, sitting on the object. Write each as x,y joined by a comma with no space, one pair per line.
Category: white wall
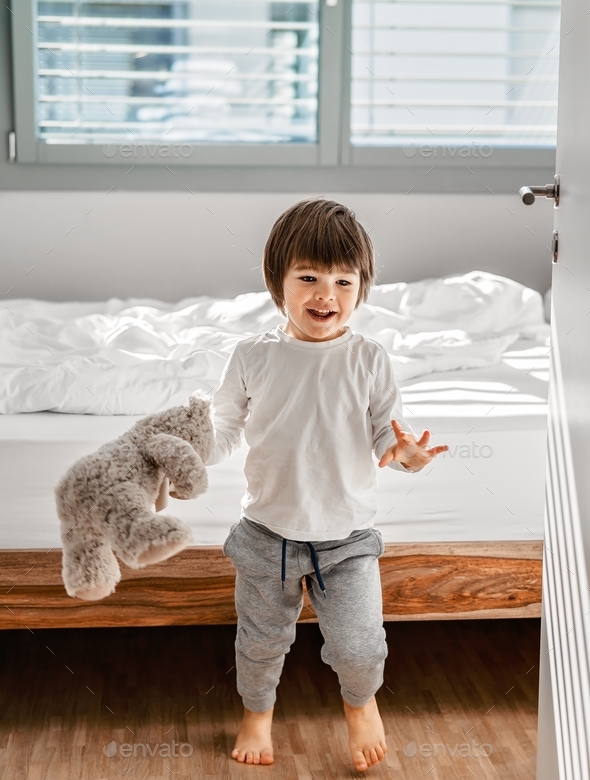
172,245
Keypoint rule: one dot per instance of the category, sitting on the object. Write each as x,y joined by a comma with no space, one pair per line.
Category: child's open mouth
321,315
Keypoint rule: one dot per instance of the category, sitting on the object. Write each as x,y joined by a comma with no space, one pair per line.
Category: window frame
31,150
394,157
333,150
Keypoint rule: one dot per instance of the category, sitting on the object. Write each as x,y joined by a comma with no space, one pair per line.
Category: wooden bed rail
431,581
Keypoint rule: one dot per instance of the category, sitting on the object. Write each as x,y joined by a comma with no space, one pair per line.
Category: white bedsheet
489,487
137,356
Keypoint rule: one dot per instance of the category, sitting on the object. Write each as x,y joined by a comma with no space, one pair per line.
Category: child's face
318,303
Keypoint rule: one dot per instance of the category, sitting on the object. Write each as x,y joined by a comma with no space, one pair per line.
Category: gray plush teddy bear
106,500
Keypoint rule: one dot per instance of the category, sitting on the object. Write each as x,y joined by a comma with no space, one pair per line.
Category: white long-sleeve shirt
312,413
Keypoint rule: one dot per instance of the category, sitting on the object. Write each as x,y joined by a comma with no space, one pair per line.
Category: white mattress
488,487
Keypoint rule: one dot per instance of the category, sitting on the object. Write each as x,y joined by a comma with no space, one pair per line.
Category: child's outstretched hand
409,451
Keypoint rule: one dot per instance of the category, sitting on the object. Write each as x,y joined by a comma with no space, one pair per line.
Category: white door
564,702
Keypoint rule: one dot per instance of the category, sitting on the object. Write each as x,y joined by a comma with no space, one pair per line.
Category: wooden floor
67,695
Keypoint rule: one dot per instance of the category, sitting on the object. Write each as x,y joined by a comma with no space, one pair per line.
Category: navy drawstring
314,560
316,567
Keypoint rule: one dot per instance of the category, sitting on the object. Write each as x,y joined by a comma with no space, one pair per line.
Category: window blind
454,72
177,71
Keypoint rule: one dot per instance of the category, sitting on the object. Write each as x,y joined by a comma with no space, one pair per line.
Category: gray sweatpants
350,615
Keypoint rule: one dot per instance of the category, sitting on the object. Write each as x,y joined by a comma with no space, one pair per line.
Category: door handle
528,194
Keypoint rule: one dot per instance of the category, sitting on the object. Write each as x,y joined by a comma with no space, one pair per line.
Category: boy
313,399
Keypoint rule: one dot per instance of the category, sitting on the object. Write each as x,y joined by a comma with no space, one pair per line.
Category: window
337,83
195,71
430,71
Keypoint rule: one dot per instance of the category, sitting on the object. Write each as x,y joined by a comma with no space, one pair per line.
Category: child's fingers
174,494
437,450
424,438
399,433
387,458
411,447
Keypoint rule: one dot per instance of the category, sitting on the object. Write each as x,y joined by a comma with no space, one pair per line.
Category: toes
266,757
359,761
363,759
253,756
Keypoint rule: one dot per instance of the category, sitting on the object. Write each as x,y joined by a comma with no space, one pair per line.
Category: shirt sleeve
386,405
230,410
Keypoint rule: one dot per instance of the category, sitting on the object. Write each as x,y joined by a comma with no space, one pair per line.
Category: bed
463,538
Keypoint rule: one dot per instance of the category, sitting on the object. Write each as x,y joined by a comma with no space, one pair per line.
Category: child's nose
325,292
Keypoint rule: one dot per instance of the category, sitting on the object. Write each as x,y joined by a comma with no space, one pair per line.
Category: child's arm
394,441
230,410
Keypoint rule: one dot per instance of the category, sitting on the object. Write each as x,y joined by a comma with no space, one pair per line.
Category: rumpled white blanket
139,356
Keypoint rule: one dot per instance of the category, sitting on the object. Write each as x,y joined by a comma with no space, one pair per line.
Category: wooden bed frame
432,581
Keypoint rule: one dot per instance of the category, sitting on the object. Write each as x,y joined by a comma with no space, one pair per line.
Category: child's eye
313,279
344,282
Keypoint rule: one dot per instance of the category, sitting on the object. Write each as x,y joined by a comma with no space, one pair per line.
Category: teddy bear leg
89,569
160,552
148,538
138,535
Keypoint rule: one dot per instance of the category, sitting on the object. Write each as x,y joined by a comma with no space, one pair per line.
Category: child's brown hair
323,233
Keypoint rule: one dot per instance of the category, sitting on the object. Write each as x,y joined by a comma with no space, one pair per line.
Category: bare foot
366,736
253,743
